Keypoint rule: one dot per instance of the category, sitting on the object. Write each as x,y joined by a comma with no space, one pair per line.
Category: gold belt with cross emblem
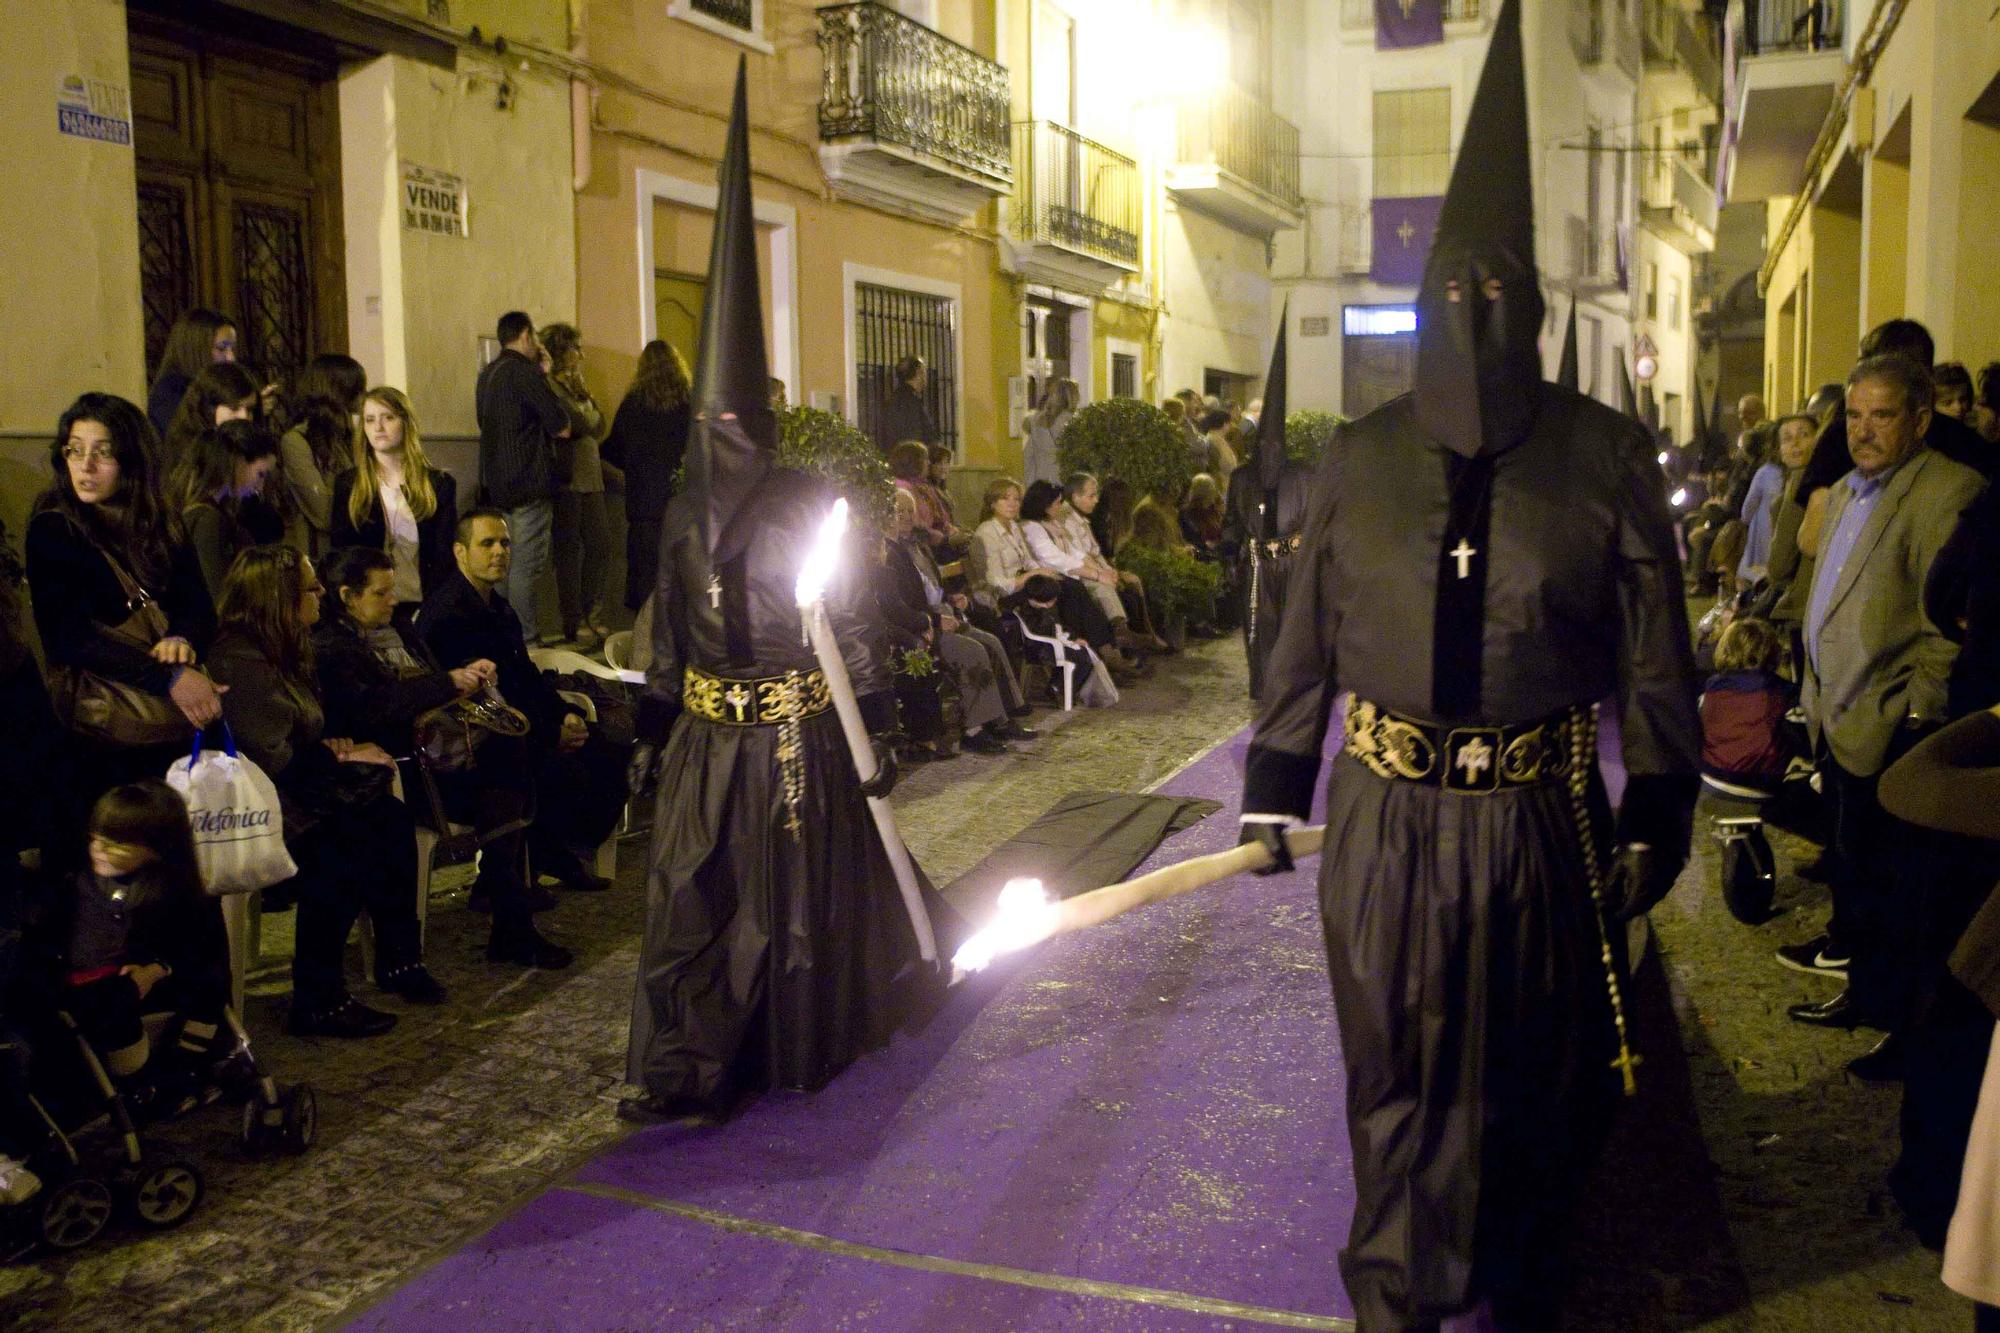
763,702
1469,760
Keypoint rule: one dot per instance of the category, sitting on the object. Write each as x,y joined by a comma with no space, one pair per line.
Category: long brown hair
190,347
261,595
325,399
223,384
661,380
150,814
135,524
418,488
206,473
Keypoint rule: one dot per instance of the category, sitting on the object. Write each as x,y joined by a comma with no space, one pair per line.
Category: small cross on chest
715,590
1463,553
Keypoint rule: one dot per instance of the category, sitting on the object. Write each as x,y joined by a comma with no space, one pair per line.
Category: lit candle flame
1025,916
1680,497
824,557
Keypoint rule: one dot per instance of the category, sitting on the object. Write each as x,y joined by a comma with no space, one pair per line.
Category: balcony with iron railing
1359,15
1677,204
1684,43
1238,159
1077,206
1787,70
908,118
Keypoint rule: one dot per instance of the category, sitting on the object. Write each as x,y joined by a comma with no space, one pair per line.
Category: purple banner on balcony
1403,230
1401,23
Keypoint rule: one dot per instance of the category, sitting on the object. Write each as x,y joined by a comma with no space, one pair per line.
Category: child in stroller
1748,752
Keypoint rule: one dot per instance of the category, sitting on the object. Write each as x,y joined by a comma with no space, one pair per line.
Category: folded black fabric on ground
1084,841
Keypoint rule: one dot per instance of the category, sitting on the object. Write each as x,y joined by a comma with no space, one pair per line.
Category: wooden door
1375,369
678,301
239,192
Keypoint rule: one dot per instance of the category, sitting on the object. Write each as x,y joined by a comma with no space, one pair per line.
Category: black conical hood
1700,441
1271,425
735,436
1479,366
1566,370
1628,401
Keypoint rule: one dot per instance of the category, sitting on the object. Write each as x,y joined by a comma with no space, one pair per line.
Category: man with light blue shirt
1874,682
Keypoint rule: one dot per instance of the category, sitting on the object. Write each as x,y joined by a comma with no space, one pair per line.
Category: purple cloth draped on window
1403,23
1403,230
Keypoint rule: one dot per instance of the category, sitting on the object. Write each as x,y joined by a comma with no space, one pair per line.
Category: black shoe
536,899
1025,710
528,949
1882,1064
983,742
412,982
1814,956
1839,1012
652,1109
1012,731
582,880
348,1018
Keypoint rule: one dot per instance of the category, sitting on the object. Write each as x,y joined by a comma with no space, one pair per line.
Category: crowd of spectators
1854,547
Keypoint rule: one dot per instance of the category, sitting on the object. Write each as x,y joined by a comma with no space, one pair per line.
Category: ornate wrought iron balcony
1075,195
1239,160
909,117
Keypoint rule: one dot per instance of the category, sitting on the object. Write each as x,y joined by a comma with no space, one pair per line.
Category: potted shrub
1123,437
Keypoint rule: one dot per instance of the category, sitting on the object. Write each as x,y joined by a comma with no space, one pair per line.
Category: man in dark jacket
524,459
905,415
579,772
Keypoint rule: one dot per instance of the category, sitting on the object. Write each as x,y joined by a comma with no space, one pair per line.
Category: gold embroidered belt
755,703
1473,760
1277,546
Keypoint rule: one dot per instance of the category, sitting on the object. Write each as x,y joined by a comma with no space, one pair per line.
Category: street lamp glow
1680,497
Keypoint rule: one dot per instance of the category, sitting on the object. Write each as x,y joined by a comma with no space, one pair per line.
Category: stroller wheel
166,1194
301,1118
1749,877
75,1212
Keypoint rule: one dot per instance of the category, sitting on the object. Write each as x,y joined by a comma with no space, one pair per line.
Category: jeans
532,526
582,555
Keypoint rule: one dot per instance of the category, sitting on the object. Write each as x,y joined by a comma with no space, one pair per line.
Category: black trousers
580,798
110,1012
1875,921
498,789
358,858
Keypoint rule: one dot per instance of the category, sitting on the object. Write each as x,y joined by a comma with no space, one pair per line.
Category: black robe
770,958
1466,965
1261,552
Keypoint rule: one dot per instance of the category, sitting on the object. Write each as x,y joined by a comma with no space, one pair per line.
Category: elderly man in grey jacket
1875,675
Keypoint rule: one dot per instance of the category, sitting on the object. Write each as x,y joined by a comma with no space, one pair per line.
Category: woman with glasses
102,545
354,842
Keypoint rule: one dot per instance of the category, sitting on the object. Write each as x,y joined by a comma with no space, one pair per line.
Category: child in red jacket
1744,745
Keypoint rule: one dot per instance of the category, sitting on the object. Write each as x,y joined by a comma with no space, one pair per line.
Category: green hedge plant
1123,437
1179,588
1309,434
811,440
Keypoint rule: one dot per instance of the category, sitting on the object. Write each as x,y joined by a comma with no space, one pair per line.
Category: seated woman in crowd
1006,564
1061,539
910,464
223,392
934,498
393,500
318,444
377,678
217,486
143,937
353,841
107,566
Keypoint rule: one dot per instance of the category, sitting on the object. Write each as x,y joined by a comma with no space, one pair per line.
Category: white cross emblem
715,590
1463,553
1475,757
739,699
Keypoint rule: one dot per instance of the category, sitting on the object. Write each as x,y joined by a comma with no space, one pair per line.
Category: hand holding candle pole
1026,916
820,563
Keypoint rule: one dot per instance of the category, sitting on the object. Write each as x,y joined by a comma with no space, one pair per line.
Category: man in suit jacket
1875,677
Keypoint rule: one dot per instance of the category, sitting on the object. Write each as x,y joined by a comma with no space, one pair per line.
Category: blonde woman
1038,456
1010,572
393,500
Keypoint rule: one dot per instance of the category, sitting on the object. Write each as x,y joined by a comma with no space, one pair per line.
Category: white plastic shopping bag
233,811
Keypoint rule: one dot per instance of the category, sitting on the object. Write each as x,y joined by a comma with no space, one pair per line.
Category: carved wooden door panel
239,192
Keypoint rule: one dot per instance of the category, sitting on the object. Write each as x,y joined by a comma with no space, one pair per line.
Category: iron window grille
890,324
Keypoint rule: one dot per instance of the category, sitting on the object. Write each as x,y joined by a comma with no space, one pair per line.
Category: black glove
884,780
1640,878
1271,837
643,769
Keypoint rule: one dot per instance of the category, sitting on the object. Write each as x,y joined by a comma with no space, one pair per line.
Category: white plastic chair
1061,645
618,650
605,863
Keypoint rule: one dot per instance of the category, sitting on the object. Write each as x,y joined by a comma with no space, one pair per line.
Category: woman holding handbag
354,842
119,601
381,683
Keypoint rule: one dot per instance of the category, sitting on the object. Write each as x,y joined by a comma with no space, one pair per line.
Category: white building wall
1219,309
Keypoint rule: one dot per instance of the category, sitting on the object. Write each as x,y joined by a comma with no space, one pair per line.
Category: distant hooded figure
777,944
1484,560
1263,519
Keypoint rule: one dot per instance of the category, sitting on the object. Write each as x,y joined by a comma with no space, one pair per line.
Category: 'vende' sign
433,201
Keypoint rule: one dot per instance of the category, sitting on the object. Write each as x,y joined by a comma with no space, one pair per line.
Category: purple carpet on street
1154,1103
1406,23
1402,238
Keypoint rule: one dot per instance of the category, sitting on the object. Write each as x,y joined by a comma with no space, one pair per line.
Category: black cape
1262,530
770,958
1466,964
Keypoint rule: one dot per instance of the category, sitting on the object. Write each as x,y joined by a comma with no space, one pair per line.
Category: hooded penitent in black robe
1487,551
778,946
1264,529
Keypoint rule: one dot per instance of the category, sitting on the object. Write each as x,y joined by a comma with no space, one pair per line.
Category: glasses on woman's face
96,453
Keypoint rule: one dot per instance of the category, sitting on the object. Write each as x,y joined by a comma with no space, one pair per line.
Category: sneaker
17,1183
412,982
348,1018
528,948
1813,956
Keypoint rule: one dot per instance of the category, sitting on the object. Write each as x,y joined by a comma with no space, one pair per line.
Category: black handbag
447,737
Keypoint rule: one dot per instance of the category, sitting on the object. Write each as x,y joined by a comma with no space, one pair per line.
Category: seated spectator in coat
1061,539
1077,513
910,463
1201,517
1745,750
353,841
102,535
1007,563
198,339
143,937
579,772
219,485
377,678
394,500
223,392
